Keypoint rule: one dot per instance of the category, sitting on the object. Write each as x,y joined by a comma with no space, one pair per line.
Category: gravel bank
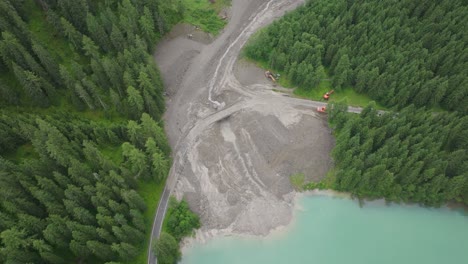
235,141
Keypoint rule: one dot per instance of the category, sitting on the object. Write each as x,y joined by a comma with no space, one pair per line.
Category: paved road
157,224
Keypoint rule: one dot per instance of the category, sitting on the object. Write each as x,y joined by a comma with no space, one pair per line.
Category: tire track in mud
234,43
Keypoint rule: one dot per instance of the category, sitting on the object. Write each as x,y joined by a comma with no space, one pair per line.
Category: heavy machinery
321,109
326,96
271,76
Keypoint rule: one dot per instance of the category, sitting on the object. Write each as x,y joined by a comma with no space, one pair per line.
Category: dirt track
235,141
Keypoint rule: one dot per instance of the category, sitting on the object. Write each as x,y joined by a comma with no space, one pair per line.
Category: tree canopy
179,223
167,249
397,52
412,156
407,55
181,220
71,196
81,101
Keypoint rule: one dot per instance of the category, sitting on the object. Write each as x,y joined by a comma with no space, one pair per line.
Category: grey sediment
232,163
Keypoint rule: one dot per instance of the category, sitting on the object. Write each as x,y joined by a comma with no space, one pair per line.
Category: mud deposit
235,141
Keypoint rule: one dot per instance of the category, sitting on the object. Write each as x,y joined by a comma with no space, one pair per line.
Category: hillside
409,56
410,156
81,136
397,52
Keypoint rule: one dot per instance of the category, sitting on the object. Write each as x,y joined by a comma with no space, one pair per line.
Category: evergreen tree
342,72
73,35
48,62
125,251
75,11
33,86
134,101
136,160
167,249
90,48
97,33
100,250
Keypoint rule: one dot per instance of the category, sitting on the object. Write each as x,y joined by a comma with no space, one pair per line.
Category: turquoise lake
331,230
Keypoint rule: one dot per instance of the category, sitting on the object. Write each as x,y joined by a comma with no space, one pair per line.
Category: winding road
220,94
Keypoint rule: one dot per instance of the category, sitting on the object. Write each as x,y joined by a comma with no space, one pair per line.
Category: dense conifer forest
407,55
412,156
397,52
80,127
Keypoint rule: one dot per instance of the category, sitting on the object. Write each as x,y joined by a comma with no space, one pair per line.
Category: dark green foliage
167,249
413,155
34,86
400,53
12,19
74,11
48,62
181,220
397,52
64,197
71,198
118,37
71,33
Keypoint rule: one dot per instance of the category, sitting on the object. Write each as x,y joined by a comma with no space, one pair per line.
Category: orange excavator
326,96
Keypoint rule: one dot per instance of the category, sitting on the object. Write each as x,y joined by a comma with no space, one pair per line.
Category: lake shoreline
203,237
326,222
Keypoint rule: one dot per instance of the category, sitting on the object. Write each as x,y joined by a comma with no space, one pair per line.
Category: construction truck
271,76
321,109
